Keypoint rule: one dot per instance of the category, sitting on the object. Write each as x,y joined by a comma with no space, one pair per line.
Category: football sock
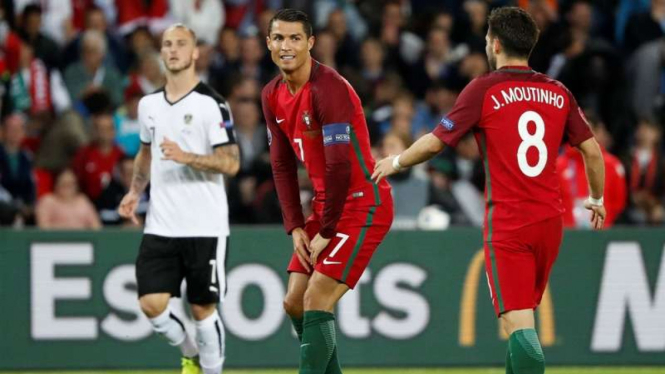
170,327
526,353
318,342
509,364
297,325
210,339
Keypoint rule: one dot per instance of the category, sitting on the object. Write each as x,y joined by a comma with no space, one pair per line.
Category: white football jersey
185,202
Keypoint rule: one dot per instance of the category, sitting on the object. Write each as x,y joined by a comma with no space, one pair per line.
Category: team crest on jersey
188,119
307,119
447,123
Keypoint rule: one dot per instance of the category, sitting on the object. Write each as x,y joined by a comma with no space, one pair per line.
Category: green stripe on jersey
359,243
490,210
361,160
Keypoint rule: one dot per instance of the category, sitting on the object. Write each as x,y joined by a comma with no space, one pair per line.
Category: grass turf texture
554,370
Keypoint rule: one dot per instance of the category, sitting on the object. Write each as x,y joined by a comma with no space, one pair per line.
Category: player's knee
201,312
293,306
153,306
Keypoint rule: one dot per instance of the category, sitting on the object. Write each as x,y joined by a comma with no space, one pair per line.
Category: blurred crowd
72,73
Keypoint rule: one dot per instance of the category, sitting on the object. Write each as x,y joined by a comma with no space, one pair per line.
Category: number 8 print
528,141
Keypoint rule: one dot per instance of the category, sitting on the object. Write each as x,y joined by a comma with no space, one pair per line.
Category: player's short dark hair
32,9
516,30
293,15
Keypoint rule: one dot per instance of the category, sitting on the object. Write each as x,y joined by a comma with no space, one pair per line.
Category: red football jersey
323,125
520,119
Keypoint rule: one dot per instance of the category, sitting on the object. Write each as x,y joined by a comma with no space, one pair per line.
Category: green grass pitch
555,370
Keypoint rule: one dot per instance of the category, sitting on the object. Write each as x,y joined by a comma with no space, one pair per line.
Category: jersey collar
516,69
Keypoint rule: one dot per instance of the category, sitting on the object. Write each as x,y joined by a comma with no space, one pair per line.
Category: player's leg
338,269
293,301
298,278
159,275
204,260
511,269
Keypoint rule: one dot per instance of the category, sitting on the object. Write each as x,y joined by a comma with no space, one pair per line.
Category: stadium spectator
410,187
575,187
203,63
325,48
16,166
66,208
126,121
645,169
108,202
44,47
139,43
95,19
403,46
149,76
55,142
94,163
34,88
439,99
437,63
205,17
346,54
250,132
56,17
153,14
441,176
645,26
91,74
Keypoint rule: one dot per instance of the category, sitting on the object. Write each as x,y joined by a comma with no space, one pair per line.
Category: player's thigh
204,259
511,273
323,292
312,227
158,266
358,234
547,241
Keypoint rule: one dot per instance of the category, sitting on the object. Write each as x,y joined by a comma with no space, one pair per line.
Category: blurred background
73,71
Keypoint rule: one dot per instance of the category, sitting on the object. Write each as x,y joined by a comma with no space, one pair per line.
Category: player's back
524,119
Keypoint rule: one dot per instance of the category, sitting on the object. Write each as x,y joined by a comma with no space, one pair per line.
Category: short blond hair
180,25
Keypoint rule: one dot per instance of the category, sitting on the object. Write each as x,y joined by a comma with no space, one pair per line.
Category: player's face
489,49
178,50
289,46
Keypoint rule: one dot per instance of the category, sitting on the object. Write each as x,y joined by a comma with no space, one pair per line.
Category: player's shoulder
152,98
323,76
271,87
207,91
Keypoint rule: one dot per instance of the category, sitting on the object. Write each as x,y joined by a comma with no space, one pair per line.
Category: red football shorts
359,232
519,266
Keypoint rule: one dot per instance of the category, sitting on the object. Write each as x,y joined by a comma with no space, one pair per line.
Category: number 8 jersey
519,118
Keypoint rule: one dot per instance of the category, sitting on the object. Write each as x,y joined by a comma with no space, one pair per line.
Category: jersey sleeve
144,128
334,108
577,127
464,116
220,130
284,170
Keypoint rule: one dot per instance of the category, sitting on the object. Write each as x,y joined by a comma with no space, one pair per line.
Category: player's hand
171,151
597,215
383,169
128,205
319,243
301,246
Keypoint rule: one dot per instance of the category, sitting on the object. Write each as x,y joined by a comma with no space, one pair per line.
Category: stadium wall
69,301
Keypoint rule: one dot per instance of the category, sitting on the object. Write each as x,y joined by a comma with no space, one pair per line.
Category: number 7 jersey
519,118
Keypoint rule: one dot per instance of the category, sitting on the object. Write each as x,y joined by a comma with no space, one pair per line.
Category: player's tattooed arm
225,159
141,169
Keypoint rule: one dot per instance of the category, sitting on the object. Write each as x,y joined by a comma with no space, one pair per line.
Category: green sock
318,342
509,364
526,353
333,366
297,325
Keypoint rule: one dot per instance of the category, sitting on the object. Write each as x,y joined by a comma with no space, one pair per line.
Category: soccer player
315,116
519,119
188,144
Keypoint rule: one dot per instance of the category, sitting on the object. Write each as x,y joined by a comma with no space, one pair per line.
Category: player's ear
196,53
268,43
310,42
496,46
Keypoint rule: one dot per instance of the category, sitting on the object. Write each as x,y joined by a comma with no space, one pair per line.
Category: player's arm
225,159
580,136
140,179
464,115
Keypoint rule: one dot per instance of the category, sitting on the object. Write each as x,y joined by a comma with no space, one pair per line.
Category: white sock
171,328
210,339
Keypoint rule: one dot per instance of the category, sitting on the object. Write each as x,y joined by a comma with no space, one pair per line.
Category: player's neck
508,61
298,78
180,84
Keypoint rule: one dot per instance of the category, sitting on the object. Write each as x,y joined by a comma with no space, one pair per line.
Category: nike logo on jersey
326,262
279,120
